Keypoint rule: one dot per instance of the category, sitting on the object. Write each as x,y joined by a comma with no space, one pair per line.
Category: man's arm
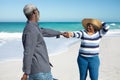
50,32
29,43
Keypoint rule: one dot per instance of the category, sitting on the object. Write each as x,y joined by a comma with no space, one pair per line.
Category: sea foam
11,44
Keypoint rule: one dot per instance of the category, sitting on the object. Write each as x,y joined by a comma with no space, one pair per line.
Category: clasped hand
67,34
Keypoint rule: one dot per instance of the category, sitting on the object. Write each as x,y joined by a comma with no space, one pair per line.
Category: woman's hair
94,26
28,10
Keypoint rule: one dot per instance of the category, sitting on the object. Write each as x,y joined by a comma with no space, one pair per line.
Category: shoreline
65,63
51,54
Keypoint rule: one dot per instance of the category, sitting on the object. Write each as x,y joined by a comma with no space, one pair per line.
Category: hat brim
95,22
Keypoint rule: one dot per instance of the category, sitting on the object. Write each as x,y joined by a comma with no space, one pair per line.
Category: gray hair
28,10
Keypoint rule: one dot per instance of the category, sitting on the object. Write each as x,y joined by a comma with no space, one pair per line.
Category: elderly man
35,61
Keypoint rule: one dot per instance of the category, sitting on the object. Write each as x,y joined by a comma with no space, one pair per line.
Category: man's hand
24,77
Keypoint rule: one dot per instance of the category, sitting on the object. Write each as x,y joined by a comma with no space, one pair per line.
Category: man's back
35,51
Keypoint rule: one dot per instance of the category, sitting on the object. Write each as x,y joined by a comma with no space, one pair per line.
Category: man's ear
34,12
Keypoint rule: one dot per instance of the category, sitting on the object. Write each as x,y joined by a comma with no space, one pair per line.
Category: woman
88,53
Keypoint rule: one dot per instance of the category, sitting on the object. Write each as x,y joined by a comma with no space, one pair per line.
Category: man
35,61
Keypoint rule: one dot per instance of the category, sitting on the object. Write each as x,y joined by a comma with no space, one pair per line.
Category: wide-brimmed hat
95,22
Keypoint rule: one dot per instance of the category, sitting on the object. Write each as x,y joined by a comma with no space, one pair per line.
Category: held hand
67,34
24,77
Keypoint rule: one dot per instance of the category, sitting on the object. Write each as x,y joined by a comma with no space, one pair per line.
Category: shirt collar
34,23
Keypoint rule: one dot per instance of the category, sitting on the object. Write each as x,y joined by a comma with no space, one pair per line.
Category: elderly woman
88,53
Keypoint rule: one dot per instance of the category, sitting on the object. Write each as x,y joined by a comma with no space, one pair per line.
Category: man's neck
33,20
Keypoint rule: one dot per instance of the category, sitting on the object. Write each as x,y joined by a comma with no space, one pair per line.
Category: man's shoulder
29,27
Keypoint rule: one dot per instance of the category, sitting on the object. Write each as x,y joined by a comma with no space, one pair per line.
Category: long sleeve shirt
35,59
90,43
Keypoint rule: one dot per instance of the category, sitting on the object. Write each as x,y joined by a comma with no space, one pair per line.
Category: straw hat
95,22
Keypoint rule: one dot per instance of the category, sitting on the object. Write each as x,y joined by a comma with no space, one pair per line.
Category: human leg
41,76
83,66
93,67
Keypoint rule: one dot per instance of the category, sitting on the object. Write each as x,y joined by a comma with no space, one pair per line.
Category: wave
112,24
13,49
18,35
12,42
6,35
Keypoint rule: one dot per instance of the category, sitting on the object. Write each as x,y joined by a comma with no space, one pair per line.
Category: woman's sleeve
105,28
77,34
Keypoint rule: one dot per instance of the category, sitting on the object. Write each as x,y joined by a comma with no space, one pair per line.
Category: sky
62,10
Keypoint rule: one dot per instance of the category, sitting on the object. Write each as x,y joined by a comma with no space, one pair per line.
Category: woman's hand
67,34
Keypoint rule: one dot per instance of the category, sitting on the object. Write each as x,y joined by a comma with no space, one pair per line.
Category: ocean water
11,33
12,27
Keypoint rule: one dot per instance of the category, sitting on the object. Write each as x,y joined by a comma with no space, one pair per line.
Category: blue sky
62,10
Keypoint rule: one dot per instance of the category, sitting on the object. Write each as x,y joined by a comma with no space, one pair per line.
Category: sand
65,64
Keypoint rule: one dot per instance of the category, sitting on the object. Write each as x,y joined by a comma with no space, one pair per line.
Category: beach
65,63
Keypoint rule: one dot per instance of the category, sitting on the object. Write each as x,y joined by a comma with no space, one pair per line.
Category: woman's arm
105,28
76,34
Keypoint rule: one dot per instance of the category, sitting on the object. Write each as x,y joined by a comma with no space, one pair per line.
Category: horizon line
52,21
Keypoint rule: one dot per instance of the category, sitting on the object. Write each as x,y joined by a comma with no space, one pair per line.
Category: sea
11,34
